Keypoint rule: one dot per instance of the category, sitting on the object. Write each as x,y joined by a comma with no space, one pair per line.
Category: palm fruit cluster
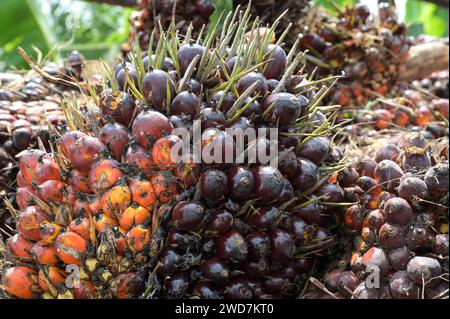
159,12
437,84
400,225
29,106
198,12
368,53
415,110
112,201
270,10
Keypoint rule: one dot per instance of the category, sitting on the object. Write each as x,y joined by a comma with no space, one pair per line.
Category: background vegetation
55,27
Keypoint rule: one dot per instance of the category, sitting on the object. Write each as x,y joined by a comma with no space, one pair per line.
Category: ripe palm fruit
181,222
404,237
343,43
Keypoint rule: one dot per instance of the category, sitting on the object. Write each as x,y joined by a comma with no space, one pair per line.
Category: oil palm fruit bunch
413,110
155,12
437,83
368,53
400,222
29,107
270,10
114,201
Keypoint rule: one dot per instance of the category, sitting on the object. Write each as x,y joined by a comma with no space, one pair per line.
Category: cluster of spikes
111,205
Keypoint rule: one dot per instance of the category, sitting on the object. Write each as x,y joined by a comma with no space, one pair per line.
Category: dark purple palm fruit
206,290
175,286
268,183
217,147
22,138
211,118
418,238
332,193
214,185
187,53
436,179
307,175
402,287
283,109
156,85
119,106
231,246
167,63
220,222
399,257
413,189
440,244
424,270
415,158
347,283
248,80
398,211
376,257
311,212
263,217
282,246
391,236
115,136
239,288
387,152
215,270
187,215
226,101
120,75
388,175
316,149
241,183
276,62
258,244
185,103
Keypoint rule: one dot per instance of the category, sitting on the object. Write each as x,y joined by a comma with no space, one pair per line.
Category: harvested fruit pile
29,109
400,225
369,54
114,202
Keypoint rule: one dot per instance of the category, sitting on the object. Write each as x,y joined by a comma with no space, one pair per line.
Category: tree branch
123,3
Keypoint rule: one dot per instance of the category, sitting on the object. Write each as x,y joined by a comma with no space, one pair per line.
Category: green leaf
23,25
220,6
428,18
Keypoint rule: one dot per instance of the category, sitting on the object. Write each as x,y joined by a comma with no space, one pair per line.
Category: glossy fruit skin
28,162
138,238
252,77
218,148
134,215
398,211
231,246
155,86
187,215
115,136
354,216
20,247
149,126
47,169
79,182
347,283
281,245
44,254
263,217
402,287
307,175
51,191
21,282
118,105
391,236
84,152
115,200
388,175
140,158
24,196
412,189
276,58
28,222
376,257
186,53
214,185
315,150
220,222
71,248
285,108
436,179
164,153
215,270
399,258
387,152
104,174
81,226
188,172
165,186
268,183
186,103
424,269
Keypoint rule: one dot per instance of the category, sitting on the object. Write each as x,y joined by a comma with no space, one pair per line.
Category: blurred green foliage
426,18
56,27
